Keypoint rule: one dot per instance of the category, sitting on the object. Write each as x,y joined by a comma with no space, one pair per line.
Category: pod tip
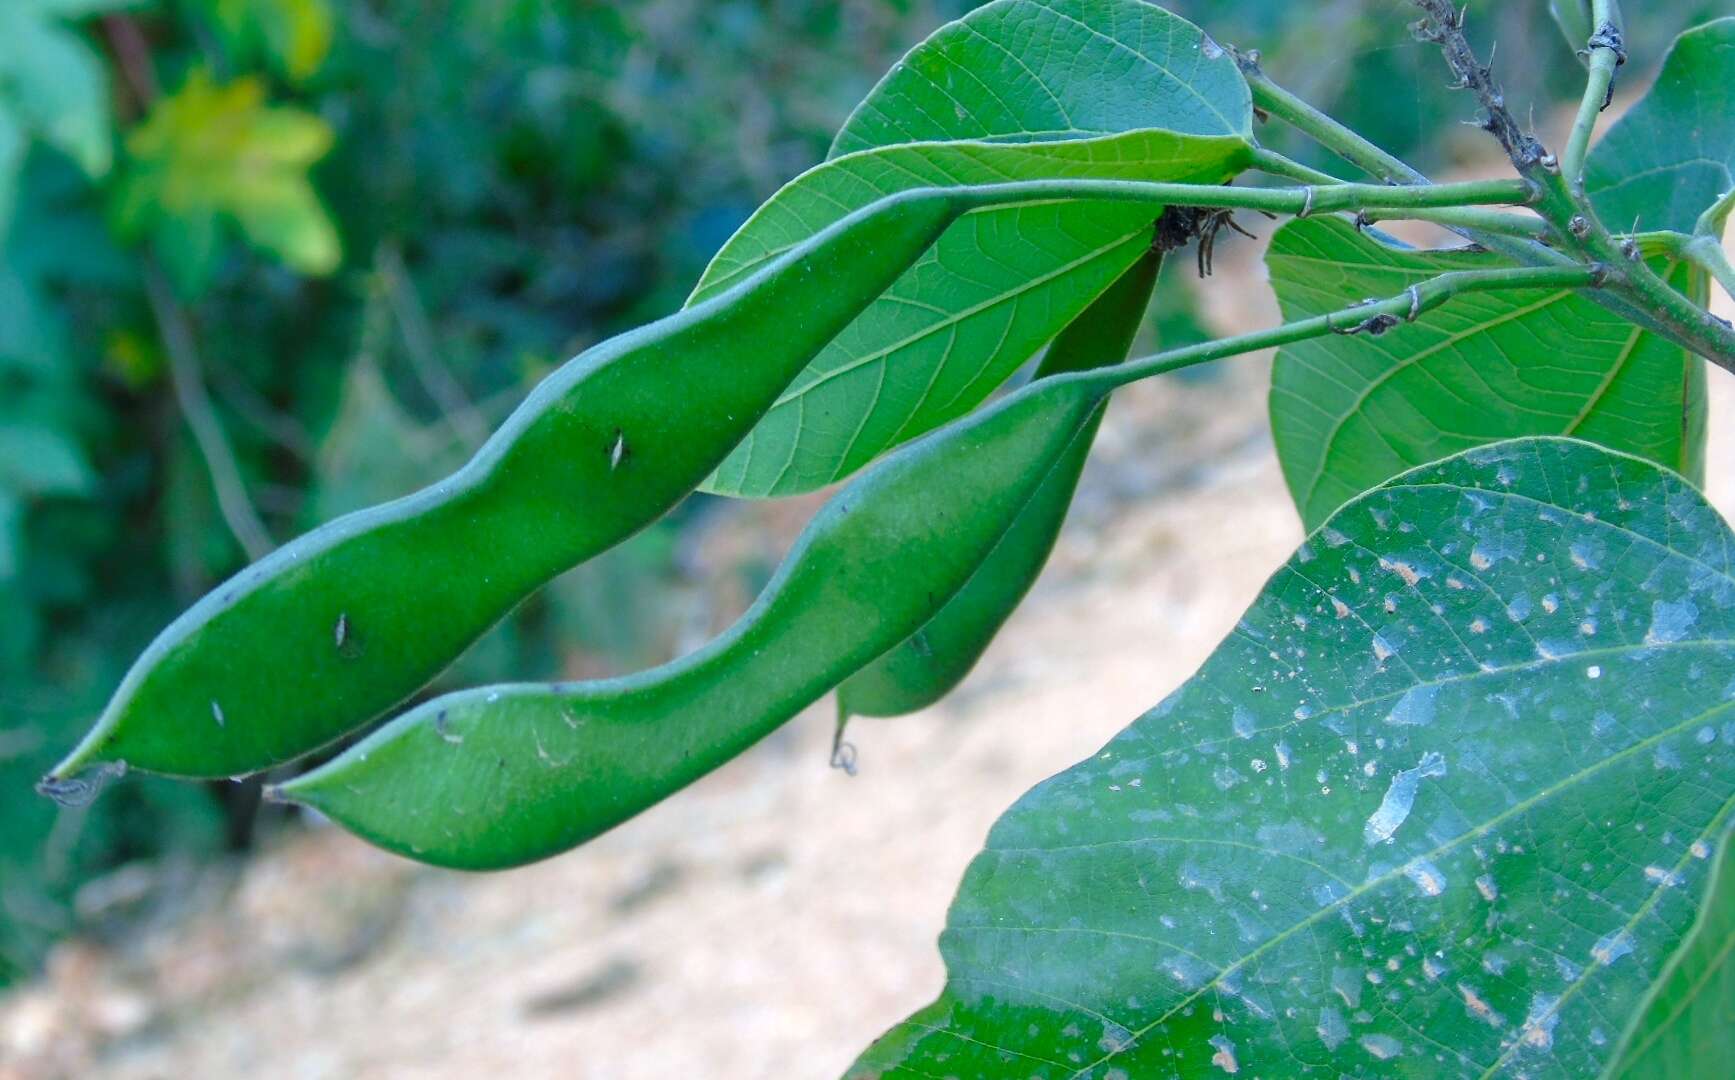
842,753
65,787
289,792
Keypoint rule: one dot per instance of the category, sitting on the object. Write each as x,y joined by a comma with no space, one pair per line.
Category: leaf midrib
1007,296
1577,984
1228,128
1380,880
885,156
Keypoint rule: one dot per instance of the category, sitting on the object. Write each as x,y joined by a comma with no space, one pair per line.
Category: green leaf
1037,70
190,246
294,34
1688,1026
929,663
11,535
1669,158
1016,89
52,84
954,336
39,460
1350,412
212,151
1438,806
13,143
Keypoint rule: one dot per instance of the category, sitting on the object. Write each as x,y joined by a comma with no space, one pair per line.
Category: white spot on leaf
1612,946
1383,1047
1332,1029
1400,797
1426,876
1224,1058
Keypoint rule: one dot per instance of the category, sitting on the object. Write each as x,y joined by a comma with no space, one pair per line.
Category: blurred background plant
266,261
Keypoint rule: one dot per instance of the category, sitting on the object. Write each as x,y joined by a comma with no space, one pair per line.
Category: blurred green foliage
381,220
210,153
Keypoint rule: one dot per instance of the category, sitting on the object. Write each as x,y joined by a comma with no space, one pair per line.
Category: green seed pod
335,628
498,776
925,668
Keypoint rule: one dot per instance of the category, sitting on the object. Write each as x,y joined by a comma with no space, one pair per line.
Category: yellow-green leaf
220,151
294,35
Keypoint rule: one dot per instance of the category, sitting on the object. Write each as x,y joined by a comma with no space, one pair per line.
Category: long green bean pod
498,776
926,666
335,628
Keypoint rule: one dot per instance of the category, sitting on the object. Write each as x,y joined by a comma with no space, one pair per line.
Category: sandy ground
768,922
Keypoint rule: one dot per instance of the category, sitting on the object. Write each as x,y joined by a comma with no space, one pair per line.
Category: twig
1635,291
1371,318
412,320
1443,25
252,406
1370,158
133,57
232,501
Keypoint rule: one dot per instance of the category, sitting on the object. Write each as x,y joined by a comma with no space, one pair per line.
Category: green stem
1461,218
1709,254
1322,129
1370,318
1632,289
1516,226
1275,164
1710,223
1301,201
1630,279
1604,47
1705,252
1503,233
1350,146
417,333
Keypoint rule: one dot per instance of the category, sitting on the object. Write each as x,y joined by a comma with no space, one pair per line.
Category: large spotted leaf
1348,413
1442,805
1018,89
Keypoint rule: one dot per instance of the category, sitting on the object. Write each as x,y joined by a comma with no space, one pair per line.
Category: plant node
1608,36
1375,325
1247,61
